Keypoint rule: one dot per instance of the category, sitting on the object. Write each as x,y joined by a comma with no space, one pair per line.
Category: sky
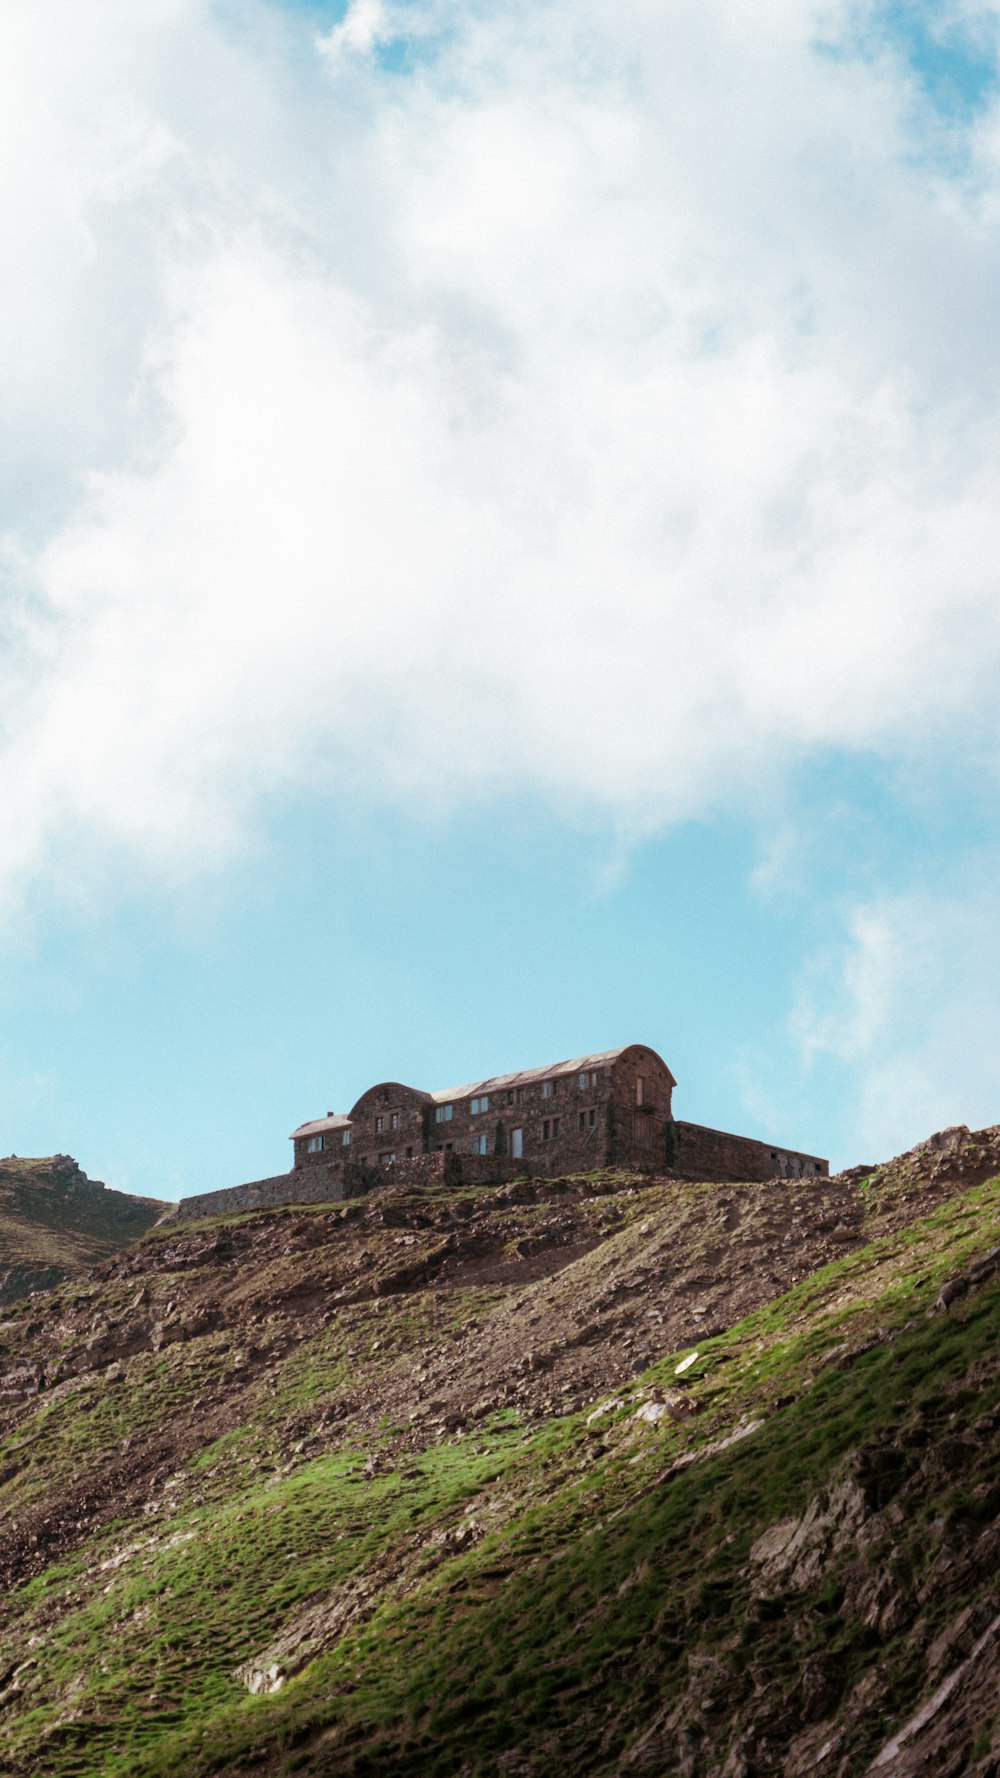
499,558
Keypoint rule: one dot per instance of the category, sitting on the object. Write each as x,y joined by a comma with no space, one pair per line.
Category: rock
652,1412
260,1680
673,1406
794,1553
951,1291
604,1407
985,1266
26,1380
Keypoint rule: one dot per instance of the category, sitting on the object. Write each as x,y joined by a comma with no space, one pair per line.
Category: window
409,1154
386,1159
546,1128
479,1105
394,1121
546,1089
583,1082
443,1114
346,1139
517,1144
640,1090
315,1144
592,1119
586,1120
555,1126
480,1144
510,1097
518,1095
379,1125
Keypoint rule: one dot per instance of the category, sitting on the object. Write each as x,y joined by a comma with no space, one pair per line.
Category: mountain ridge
597,1472
55,1222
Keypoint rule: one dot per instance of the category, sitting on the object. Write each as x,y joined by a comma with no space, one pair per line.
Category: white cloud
606,409
909,1004
365,26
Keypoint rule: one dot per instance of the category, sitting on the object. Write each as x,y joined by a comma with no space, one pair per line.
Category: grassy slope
591,1581
555,1594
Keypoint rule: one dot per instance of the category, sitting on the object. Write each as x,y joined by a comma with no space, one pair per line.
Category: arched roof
527,1076
496,1083
409,1095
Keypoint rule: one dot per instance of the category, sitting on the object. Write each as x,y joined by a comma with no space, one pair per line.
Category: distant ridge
55,1222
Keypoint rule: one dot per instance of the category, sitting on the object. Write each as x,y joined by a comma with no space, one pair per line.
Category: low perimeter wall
699,1153
316,1184
312,1185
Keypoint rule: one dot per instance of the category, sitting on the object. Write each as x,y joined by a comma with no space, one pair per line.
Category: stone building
613,1109
609,1109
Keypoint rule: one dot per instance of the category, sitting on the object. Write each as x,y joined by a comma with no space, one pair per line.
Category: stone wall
700,1153
685,1151
331,1158
640,1111
445,1167
314,1185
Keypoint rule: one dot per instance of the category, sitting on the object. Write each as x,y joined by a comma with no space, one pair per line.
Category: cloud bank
907,1007
596,402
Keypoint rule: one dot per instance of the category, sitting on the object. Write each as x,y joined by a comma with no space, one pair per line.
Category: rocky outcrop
55,1222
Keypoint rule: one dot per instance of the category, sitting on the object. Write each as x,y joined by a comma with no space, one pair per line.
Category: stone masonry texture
608,1110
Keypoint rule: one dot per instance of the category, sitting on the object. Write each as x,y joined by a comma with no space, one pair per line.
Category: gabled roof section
319,1125
528,1075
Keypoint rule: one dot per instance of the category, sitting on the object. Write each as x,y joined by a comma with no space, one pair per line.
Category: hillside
55,1222
595,1474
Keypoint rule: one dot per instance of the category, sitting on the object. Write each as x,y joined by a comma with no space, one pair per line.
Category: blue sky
498,538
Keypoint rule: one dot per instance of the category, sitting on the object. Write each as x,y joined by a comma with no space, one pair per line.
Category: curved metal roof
496,1083
578,1065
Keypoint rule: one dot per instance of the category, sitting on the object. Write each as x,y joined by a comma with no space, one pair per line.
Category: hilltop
55,1222
596,1473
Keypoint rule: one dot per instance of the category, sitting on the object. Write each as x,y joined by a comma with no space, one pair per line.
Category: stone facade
596,1111
613,1109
